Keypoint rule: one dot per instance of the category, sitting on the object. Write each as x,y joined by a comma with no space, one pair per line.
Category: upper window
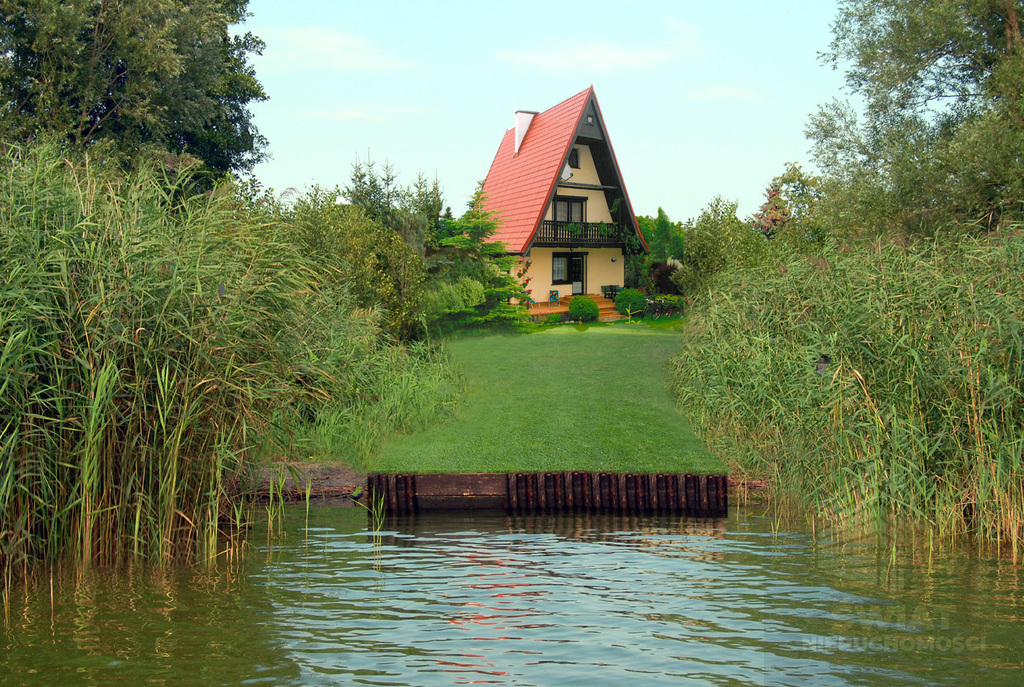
574,158
570,209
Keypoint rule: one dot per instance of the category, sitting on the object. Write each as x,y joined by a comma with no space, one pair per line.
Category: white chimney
523,119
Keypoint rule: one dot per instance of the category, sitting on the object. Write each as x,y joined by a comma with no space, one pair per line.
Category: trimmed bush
583,309
630,301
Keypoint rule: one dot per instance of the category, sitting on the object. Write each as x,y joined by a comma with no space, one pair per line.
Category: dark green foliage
919,413
664,238
465,252
412,212
630,302
638,273
583,309
378,194
475,227
137,76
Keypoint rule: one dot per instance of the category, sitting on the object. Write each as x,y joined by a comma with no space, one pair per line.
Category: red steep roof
518,185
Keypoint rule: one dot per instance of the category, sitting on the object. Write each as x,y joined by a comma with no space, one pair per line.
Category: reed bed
156,345
386,389
144,335
918,418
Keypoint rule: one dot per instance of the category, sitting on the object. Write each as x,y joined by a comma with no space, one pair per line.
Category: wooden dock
540,492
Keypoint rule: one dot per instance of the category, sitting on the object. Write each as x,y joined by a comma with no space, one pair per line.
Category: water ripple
545,600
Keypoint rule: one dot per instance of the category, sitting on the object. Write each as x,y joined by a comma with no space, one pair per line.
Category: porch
605,306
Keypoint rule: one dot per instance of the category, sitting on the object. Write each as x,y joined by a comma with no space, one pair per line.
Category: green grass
566,398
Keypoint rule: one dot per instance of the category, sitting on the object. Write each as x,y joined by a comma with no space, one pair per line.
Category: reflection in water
532,600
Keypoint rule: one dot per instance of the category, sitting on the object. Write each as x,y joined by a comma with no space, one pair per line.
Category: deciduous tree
135,75
941,134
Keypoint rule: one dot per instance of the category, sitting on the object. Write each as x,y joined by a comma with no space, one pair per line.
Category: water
492,599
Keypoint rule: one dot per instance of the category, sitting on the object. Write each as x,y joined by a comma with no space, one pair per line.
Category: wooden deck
543,492
605,306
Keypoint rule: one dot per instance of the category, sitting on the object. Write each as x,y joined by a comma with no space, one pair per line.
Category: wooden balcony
595,234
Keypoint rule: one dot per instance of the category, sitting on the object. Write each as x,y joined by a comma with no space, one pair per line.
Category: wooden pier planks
540,492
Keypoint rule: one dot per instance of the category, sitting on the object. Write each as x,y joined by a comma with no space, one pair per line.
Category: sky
700,99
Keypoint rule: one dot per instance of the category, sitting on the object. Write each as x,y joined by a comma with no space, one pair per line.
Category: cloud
597,57
367,113
314,47
724,93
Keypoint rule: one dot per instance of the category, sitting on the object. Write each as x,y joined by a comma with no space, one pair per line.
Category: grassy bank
567,398
917,419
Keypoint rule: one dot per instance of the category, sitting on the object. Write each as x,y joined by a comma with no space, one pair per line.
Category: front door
576,272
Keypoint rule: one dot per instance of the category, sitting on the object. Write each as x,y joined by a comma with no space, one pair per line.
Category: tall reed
144,335
919,416
381,388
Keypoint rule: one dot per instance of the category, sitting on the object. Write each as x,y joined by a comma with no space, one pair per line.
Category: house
557,189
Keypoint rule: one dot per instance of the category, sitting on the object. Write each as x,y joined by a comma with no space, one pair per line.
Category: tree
773,215
426,198
664,237
942,131
476,226
365,259
412,211
716,241
134,75
466,250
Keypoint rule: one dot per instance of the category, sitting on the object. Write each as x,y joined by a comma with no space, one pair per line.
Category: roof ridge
519,184
576,95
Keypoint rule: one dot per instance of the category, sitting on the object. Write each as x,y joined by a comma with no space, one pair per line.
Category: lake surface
545,600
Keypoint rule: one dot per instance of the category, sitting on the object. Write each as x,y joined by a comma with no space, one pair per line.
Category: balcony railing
578,233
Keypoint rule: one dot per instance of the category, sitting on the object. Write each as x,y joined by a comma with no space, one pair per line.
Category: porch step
605,307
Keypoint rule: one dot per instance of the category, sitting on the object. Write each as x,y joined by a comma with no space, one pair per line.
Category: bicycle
672,308
655,308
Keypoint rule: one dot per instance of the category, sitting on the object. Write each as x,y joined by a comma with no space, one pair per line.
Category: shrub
583,309
673,301
630,301
471,290
662,273
368,261
553,318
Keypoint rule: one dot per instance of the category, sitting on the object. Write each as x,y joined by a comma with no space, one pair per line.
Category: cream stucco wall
597,205
600,271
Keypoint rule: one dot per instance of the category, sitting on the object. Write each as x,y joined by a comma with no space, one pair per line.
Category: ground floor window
559,270
568,268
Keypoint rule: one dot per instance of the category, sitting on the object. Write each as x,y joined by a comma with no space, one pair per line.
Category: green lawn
568,398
